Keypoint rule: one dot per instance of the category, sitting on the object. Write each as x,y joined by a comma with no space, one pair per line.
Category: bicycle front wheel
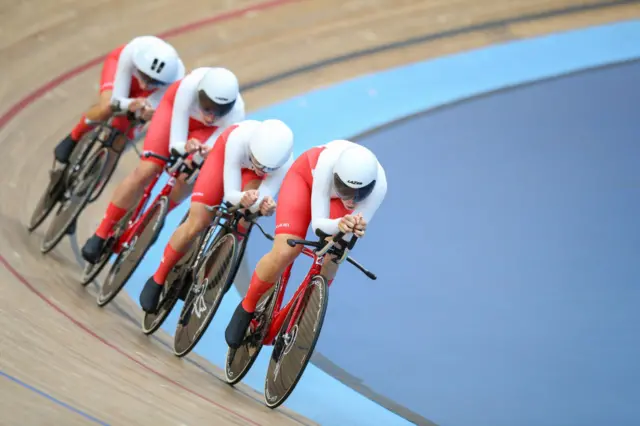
206,293
295,343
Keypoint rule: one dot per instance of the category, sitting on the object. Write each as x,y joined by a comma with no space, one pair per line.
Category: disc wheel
206,293
48,199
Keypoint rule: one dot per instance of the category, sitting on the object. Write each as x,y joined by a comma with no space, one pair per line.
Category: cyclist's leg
124,198
98,112
293,215
208,191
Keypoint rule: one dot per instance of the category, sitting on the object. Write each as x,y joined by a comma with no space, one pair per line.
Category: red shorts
158,135
209,187
107,79
293,212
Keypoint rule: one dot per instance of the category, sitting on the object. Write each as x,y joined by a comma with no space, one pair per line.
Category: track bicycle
293,332
135,233
203,276
74,185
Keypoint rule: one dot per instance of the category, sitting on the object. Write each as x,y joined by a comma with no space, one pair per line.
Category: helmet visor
148,80
348,193
260,167
211,107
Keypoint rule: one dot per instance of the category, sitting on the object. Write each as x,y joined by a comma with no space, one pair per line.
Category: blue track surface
518,280
377,99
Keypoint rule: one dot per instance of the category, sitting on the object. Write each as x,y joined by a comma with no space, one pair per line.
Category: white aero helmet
218,90
271,145
355,173
158,62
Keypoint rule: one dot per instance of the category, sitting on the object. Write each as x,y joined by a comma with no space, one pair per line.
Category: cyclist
192,114
246,166
324,187
135,76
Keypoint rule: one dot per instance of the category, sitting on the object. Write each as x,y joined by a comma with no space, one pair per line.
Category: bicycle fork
295,303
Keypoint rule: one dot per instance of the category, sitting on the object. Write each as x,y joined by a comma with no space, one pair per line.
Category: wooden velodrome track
96,361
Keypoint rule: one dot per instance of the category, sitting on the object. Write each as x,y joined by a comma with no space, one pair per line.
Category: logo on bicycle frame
199,305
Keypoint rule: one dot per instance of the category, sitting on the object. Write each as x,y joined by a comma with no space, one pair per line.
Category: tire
207,291
239,361
284,373
85,179
91,271
48,200
178,277
130,257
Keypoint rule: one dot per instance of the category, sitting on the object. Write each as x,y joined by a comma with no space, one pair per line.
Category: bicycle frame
137,218
139,214
280,314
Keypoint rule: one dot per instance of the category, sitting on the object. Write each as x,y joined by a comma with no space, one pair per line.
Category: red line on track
47,87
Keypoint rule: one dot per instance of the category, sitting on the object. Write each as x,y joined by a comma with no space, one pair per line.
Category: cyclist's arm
321,195
371,204
124,72
271,185
232,173
155,98
180,115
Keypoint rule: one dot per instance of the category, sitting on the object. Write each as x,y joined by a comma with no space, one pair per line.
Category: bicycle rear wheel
206,292
239,361
292,351
131,256
48,200
56,185
75,198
